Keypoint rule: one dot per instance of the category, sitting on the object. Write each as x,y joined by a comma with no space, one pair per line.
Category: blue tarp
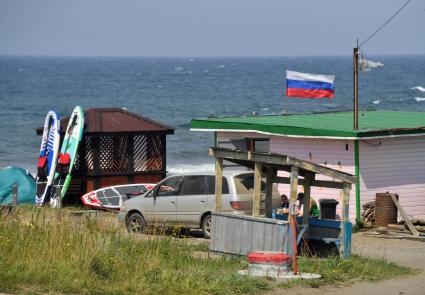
26,185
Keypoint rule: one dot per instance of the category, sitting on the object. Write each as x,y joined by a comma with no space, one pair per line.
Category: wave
420,88
419,99
183,168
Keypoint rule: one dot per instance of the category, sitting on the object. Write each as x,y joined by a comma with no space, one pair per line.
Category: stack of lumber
419,224
368,215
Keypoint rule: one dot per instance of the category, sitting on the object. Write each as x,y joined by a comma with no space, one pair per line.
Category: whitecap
221,66
420,88
189,72
378,101
159,86
265,109
191,60
419,99
182,168
178,69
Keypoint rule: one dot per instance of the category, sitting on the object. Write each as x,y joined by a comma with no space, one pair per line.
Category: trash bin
328,208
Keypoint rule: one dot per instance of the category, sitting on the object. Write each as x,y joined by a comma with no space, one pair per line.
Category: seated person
314,210
284,205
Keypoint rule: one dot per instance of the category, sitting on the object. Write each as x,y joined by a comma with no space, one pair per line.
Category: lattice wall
123,154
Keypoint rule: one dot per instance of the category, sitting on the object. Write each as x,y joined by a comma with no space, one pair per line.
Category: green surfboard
68,152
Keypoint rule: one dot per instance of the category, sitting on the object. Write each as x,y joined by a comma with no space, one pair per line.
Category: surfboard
68,153
47,159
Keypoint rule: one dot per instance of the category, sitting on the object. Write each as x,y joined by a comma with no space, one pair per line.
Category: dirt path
403,252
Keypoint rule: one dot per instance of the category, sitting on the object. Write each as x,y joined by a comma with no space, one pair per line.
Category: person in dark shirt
284,204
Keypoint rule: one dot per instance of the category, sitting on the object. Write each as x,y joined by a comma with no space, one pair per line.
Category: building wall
396,165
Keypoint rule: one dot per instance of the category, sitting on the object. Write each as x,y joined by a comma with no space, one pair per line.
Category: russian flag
309,85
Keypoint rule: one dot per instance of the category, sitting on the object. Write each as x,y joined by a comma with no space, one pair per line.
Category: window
193,185
245,184
131,190
210,185
170,187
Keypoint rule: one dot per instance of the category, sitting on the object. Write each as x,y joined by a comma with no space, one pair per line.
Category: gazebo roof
116,120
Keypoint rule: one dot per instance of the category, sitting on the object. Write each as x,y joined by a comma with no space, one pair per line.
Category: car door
192,200
164,200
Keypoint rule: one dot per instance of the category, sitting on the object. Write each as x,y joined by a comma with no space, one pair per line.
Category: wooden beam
271,174
322,170
281,160
316,183
307,188
404,216
218,183
345,246
256,200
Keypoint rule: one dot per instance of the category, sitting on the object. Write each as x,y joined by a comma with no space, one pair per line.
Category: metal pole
356,87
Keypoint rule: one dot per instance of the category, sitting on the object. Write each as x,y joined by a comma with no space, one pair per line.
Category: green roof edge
282,130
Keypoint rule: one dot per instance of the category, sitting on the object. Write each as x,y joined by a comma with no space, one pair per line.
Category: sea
175,90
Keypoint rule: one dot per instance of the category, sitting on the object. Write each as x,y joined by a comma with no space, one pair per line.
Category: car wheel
135,223
206,226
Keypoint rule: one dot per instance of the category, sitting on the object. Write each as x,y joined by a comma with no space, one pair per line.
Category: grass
42,251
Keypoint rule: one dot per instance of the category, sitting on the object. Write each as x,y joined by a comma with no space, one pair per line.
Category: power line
390,19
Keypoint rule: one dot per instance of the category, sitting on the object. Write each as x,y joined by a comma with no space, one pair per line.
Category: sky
208,27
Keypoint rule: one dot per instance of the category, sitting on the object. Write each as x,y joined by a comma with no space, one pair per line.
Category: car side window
170,187
210,185
193,185
130,190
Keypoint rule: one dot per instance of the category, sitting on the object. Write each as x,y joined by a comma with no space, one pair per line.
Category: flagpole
356,86
286,104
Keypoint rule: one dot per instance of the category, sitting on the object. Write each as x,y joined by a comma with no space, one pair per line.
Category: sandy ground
403,252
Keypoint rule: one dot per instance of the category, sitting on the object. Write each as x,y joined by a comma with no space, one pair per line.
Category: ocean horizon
173,90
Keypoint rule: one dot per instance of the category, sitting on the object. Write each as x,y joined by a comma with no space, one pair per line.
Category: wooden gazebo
118,147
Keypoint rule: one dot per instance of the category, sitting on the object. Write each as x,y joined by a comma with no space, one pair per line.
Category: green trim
336,124
215,139
357,172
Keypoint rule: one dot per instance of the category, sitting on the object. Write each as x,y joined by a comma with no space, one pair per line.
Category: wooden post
294,187
256,200
218,183
345,245
404,216
58,197
271,173
14,195
293,215
308,179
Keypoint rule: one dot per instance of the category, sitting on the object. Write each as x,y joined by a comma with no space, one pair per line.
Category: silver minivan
187,200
